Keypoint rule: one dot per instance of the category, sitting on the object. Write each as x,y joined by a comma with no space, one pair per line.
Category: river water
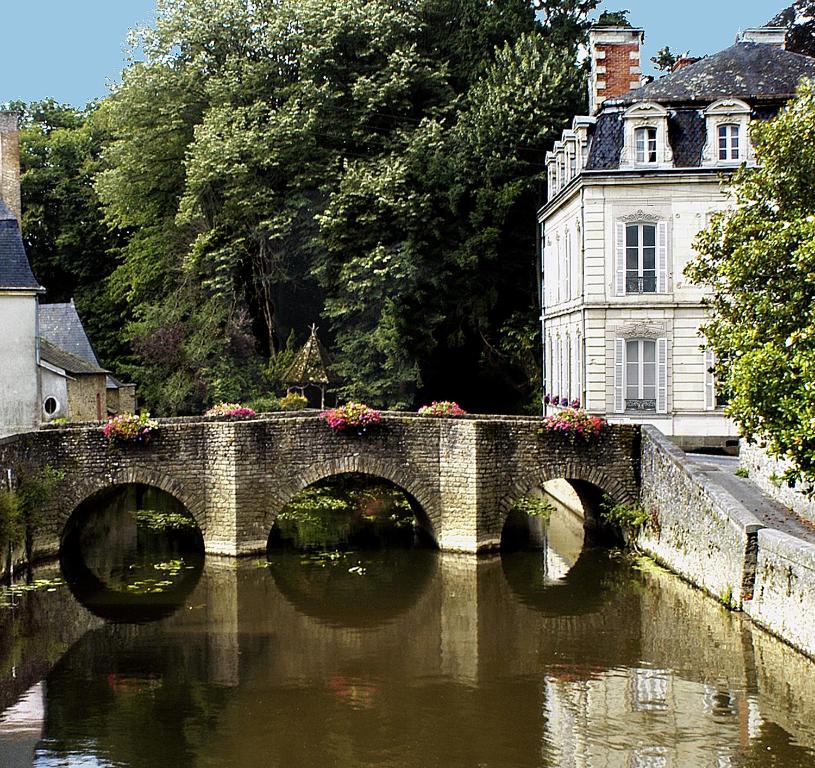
145,654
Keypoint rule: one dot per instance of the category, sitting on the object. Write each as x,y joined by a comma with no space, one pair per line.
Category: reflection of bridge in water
270,676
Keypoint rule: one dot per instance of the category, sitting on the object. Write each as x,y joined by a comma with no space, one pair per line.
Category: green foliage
665,59
372,161
626,516
325,515
758,259
161,520
265,404
533,506
742,472
72,251
614,19
11,521
293,401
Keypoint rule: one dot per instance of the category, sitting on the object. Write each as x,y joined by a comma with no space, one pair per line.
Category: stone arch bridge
462,475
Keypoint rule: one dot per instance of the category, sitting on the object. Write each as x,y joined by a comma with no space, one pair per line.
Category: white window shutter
710,383
662,257
619,375
576,383
662,375
619,280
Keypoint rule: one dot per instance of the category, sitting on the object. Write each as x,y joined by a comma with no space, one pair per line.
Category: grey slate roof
754,72
749,71
60,326
65,360
15,271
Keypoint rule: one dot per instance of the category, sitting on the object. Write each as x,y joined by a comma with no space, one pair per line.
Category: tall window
729,142
641,258
640,375
646,143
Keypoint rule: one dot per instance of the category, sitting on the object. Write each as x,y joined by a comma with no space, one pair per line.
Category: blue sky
72,49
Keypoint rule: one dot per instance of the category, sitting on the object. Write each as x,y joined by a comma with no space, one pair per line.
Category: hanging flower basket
574,423
445,408
352,417
130,428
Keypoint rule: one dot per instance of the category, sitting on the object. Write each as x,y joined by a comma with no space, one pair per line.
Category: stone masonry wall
235,476
696,529
766,472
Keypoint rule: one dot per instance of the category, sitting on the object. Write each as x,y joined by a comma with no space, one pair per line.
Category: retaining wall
784,595
704,534
695,528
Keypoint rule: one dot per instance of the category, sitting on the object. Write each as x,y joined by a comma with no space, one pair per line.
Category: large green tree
759,260
71,249
376,162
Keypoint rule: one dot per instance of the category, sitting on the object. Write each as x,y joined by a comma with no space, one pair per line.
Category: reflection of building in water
644,718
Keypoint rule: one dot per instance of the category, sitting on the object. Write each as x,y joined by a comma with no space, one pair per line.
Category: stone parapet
784,594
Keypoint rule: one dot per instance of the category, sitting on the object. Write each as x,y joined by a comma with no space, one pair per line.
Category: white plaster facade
630,187
19,379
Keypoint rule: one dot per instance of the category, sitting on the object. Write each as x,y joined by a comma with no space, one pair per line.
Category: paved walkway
722,471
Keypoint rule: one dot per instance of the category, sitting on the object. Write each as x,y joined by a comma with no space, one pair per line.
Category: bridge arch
422,497
589,483
82,490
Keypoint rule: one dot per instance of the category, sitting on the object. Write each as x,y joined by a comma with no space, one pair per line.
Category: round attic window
50,406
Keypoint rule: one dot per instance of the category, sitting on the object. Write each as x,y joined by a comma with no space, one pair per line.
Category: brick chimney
775,36
615,63
10,162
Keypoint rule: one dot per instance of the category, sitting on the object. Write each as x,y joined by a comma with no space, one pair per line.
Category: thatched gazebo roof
312,366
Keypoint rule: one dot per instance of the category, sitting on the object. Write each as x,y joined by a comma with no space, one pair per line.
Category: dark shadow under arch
86,490
424,506
591,486
114,525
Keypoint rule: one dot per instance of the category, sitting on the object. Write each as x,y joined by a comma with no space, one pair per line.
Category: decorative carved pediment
641,331
640,215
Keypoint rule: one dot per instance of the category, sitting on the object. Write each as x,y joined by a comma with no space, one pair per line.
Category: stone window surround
617,336
727,112
646,114
661,219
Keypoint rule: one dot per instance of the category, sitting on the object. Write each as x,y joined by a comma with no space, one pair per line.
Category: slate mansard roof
15,271
761,75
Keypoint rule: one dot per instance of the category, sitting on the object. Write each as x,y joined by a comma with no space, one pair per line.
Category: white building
48,369
630,186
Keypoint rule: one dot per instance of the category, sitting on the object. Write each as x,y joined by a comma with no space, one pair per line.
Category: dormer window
729,144
645,130
646,141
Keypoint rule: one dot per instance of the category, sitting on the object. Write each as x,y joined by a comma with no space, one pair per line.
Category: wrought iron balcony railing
640,405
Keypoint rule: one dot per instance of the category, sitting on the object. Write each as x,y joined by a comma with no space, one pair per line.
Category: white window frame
653,152
621,373
621,247
645,141
729,136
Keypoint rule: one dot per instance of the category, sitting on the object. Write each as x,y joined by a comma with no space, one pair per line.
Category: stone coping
738,514
787,547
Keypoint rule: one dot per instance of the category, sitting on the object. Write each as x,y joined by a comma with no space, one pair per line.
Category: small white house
630,186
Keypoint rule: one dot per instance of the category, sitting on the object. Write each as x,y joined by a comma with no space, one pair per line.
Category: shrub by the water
293,402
